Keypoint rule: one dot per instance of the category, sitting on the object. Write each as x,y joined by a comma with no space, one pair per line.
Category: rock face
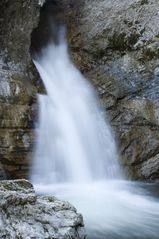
116,45
17,91
24,215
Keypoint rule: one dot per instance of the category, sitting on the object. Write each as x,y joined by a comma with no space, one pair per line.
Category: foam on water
75,156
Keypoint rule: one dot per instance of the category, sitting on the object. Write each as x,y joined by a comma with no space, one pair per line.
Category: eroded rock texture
24,215
116,45
122,40
17,92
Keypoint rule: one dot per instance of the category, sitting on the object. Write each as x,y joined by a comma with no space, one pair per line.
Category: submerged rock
25,215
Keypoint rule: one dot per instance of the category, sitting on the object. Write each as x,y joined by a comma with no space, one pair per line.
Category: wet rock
150,168
17,85
25,215
115,44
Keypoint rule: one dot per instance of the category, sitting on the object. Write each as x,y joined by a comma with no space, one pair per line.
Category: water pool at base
76,159
112,209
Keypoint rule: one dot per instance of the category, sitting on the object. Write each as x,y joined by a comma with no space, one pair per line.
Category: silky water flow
75,155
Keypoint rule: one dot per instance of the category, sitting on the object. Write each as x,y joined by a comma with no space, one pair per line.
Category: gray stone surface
17,88
115,44
25,215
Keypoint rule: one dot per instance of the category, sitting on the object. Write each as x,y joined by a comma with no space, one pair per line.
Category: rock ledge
24,215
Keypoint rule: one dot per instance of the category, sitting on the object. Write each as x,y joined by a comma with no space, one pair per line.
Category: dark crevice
46,32
47,29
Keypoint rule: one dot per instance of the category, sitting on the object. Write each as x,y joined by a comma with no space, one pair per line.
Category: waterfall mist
75,155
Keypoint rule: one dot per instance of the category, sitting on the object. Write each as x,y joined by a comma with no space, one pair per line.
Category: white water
75,156
74,144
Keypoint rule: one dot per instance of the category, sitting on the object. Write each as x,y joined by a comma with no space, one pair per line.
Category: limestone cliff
17,92
116,45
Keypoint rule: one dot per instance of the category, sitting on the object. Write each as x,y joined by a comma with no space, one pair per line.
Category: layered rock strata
116,45
17,91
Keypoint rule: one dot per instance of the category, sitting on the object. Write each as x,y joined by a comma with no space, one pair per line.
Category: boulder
25,215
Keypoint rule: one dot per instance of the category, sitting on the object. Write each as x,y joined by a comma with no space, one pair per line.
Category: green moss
8,187
117,41
150,53
123,41
24,184
144,2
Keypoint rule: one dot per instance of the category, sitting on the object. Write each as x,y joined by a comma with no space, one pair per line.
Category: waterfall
74,141
75,155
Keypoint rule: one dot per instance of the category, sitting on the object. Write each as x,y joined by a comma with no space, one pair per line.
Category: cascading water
74,143
75,155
